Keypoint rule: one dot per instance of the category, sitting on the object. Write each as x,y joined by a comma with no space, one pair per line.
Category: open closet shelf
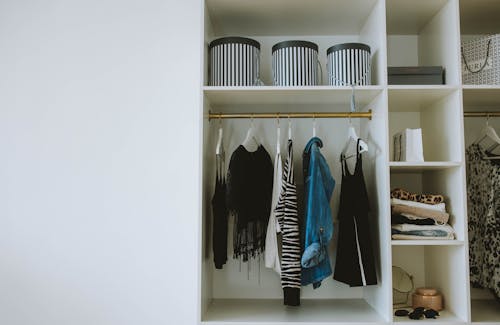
241,311
408,16
410,167
427,242
218,97
288,17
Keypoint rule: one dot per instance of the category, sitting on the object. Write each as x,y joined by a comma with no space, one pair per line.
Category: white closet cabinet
400,33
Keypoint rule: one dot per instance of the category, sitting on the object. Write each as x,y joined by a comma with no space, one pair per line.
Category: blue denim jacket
318,223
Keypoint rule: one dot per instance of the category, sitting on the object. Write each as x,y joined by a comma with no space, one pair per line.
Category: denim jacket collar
314,140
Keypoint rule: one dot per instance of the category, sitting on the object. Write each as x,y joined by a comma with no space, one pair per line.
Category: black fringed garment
249,194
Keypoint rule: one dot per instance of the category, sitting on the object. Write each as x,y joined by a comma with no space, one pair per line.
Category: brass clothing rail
481,114
367,115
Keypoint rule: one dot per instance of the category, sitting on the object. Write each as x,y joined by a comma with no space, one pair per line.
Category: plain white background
99,161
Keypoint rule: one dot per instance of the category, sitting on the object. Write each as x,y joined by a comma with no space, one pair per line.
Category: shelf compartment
441,267
266,311
324,22
412,167
427,242
485,311
437,112
287,99
447,182
424,33
288,17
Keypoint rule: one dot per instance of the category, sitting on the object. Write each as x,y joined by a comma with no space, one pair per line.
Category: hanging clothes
249,192
286,213
220,213
483,210
318,223
355,263
271,254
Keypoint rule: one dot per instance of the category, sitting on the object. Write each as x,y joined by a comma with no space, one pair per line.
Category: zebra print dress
287,216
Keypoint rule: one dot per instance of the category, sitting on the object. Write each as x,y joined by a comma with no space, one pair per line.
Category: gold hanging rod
482,114
367,115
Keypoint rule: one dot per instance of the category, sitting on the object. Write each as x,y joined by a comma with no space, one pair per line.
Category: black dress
249,195
355,263
220,214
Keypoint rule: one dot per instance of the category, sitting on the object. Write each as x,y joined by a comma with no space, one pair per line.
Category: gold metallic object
367,115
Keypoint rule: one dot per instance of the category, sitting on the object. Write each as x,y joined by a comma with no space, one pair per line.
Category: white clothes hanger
251,143
314,126
219,147
289,128
489,132
278,135
350,149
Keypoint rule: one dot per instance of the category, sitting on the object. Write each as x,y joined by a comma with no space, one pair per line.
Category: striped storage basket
481,61
234,61
295,63
349,64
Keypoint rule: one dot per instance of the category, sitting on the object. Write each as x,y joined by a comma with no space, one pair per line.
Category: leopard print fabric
401,194
483,209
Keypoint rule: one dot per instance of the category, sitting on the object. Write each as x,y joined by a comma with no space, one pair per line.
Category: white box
408,145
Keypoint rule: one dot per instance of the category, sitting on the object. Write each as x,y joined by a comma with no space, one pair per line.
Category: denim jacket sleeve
319,185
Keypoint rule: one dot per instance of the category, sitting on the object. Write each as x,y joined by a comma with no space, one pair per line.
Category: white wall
99,171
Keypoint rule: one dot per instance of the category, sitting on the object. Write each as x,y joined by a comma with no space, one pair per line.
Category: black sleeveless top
355,263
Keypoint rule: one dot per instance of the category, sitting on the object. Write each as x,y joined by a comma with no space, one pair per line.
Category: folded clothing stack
419,216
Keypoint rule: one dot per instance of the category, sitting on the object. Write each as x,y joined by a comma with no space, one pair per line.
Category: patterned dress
483,208
287,216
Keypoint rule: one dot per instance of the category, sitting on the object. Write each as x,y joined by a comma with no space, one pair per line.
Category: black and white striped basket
349,64
295,63
234,61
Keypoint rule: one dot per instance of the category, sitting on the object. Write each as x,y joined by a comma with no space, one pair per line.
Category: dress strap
357,147
343,164
359,158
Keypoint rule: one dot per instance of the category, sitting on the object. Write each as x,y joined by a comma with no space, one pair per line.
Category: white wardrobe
399,33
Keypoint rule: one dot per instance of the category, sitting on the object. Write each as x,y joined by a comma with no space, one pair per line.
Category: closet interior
399,33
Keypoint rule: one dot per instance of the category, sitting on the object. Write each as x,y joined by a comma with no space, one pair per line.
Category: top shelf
290,99
288,17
